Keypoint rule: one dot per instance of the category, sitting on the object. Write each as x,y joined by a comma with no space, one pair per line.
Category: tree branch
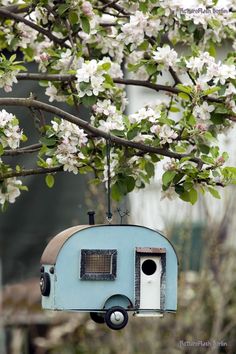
30,172
25,150
29,102
148,84
6,14
115,6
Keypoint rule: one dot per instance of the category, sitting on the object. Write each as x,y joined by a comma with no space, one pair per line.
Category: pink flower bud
44,57
220,160
202,127
87,8
7,88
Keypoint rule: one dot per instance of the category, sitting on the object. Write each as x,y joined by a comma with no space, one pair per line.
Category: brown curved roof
50,253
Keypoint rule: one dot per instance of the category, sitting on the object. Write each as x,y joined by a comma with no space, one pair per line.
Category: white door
150,282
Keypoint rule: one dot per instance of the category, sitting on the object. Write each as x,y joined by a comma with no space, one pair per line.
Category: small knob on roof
91,214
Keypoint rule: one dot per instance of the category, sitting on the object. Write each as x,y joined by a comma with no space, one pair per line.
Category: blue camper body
108,270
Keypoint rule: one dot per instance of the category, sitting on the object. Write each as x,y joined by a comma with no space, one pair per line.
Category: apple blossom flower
10,133
52,92
165,55
170,165
10,190
203,112
170,193
71,139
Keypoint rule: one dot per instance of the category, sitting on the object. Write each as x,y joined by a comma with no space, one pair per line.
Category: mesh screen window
98,264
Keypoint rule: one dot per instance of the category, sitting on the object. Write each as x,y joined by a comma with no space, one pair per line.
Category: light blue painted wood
71,293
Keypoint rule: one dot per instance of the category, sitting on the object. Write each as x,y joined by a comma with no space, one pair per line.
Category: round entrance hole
149,267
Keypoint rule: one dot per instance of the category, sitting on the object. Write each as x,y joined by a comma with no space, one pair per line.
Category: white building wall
147,208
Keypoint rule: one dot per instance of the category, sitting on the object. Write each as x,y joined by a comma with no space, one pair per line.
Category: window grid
98,264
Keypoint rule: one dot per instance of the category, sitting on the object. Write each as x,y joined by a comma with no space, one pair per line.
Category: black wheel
97,317
45,285
116,317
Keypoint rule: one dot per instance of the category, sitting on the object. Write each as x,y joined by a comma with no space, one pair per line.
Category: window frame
98,276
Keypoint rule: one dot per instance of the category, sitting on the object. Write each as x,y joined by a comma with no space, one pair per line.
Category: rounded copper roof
50,253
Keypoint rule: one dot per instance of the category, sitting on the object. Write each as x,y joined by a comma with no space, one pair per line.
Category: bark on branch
142,83
18,18
29,102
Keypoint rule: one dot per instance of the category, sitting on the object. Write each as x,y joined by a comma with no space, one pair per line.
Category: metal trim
53,248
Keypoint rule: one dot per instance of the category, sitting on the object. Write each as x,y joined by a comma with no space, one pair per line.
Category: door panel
150,282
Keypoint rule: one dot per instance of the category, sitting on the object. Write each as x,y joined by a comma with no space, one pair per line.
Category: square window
98,264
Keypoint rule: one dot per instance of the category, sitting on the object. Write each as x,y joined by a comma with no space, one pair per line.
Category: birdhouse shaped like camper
109,270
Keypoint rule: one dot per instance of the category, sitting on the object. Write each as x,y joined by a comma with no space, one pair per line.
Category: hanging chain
108,152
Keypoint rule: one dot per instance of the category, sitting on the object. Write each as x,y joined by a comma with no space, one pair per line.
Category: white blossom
169,194
145,113
52,92
10,190
165,55
72,138
165,133
10,133
114,163
169,165
203,112
7,79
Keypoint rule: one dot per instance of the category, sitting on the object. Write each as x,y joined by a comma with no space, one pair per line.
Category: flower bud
87,8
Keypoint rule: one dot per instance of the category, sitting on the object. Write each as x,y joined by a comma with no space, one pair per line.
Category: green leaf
174,109
211,90
190,196
217,118
48,141
204,148
132,133
89,100
115,192
130,183
1,150
208,160
143,46
85,24
184,96
73,17
191,27
49,179
221,110
214,193
151,68
186,89
193,196
212,49
149,168
24,138
168,177
63,8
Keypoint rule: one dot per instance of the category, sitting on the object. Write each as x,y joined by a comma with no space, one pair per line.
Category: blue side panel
73,293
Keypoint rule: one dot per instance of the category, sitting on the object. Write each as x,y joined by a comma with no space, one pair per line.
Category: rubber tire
45,285
108,321
97,317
